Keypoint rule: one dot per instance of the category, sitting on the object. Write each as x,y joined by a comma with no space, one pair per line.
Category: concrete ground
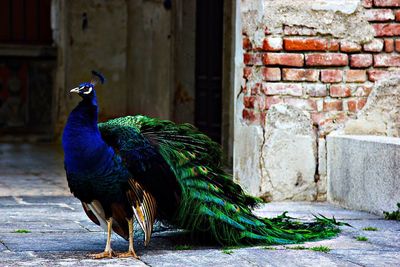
41,224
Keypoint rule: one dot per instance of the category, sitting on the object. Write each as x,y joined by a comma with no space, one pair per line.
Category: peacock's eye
86,89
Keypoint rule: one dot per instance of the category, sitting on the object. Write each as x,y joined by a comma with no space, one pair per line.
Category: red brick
248,101
283,59
361,60
282,89
397,45
354,105
339,91
375,45
389,45
375,75
333,105
310,44
387,60
247,71
387,3
246,43
331,76
254,102
397,15
367,3
307,104
346,46
386,29
361,103
272,44
272,100
316,90
330,119
299,30
271,74
356,76
252,59
379,14
251,116
308,75
326,59
255,88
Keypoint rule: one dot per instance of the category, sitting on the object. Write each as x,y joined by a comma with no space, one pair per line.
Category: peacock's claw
128,254
103,255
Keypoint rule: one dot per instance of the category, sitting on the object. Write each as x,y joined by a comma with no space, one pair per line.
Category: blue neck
84,149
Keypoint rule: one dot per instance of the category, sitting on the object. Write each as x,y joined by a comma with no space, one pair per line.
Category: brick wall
331,78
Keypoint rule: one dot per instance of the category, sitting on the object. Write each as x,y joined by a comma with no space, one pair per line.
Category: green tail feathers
211,203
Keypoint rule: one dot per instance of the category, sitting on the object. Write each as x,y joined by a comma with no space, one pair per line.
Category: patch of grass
227,251
22,231
361,238
323,249
318,248
269,248
236,247
297,248
394,215
370,228
182,247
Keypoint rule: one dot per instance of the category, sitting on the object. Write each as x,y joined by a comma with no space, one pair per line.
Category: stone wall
321,57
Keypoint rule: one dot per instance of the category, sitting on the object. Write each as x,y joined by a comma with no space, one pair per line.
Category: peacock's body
147,168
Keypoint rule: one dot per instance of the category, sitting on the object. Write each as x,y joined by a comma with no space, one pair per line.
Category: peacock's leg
131,251
108,252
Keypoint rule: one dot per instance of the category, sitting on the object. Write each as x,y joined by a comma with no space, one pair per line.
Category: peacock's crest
97,77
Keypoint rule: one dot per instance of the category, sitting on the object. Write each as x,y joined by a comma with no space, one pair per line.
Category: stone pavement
42,225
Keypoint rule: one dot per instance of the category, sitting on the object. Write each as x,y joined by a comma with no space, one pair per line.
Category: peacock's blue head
86,89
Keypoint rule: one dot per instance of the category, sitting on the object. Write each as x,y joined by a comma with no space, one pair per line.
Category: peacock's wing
147,166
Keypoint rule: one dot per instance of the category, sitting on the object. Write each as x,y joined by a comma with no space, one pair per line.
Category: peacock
143,168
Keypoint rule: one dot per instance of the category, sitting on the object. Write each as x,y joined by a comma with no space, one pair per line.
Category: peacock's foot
130,253
103,255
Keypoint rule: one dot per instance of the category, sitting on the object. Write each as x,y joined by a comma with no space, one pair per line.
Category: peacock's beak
74,90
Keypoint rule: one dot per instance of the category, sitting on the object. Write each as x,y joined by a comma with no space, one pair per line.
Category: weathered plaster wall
322,57
128,41
87,45
150,64
381,114
184,60
84,43
336,18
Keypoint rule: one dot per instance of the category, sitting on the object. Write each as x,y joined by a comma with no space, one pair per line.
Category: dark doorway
27,63
209,43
